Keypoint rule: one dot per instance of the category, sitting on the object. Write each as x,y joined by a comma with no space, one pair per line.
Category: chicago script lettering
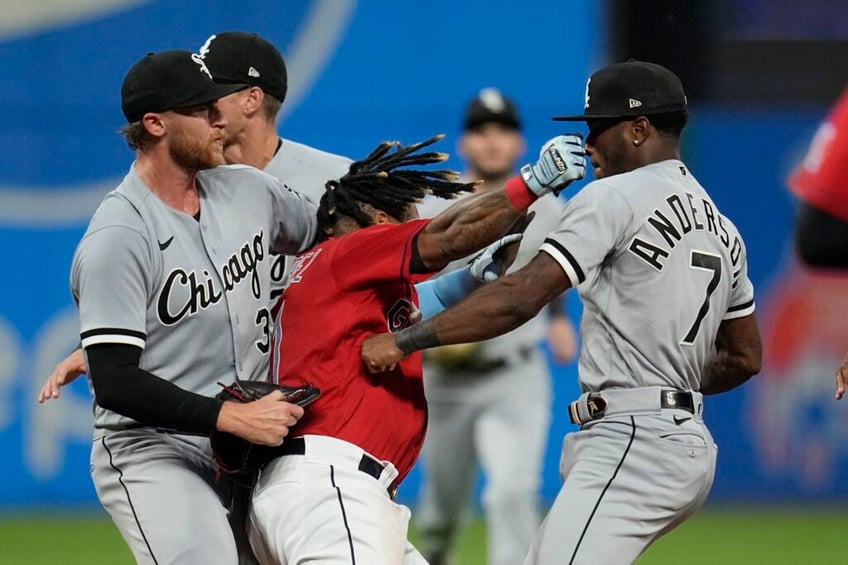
201,292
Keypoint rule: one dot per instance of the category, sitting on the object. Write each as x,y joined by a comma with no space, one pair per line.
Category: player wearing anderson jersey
172,283
667,316
329,497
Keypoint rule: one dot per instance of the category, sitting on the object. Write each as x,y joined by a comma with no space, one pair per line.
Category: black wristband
416,337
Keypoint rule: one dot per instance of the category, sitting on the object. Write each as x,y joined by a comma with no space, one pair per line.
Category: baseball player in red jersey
821,182
329,497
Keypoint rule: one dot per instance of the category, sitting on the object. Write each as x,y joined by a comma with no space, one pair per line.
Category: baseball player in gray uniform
470,390
172,282
250,138
668,317
236,57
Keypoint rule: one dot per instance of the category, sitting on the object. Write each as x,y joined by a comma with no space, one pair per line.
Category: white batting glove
561,161
486,267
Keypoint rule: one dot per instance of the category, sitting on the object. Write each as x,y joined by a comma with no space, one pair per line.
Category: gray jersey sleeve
295,217
742,290
592,224
111,281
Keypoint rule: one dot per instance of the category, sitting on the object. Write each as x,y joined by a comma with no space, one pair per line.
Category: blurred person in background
821,183
470,387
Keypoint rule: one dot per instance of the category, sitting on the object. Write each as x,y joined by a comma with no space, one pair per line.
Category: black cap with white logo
169,80
631,89
490,105
236,57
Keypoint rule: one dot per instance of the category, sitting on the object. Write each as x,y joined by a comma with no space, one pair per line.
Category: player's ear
154,124
640,130
380,217
253,99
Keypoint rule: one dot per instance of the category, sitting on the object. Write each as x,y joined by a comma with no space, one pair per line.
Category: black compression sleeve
821,239
121,386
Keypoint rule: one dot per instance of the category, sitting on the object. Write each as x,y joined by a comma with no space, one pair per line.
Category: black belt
367,464
596,405
677,399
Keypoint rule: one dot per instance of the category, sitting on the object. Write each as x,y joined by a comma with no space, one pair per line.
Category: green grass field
732,536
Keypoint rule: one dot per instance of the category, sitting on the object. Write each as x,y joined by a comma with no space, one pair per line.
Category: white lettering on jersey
301,263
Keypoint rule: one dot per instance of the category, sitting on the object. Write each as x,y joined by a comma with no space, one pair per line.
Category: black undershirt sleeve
821,239
121,386
416,264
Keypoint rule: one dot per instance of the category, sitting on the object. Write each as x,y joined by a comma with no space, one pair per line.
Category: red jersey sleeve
381,252
822,177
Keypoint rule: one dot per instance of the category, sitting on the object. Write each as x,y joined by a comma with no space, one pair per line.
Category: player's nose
216,117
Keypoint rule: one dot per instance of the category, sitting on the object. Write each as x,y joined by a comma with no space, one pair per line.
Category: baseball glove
238,457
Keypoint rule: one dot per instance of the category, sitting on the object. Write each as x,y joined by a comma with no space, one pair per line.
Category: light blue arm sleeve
442,292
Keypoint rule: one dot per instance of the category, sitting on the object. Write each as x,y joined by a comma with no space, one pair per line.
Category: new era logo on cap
252,72
634,103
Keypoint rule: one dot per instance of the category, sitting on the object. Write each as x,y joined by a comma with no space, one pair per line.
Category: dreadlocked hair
376,181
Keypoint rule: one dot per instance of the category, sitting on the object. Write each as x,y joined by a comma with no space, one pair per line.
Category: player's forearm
739,355
442,292
472,224
493,310
122,387
726,371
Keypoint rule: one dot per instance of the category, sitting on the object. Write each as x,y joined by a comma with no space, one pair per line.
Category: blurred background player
821,184
470,387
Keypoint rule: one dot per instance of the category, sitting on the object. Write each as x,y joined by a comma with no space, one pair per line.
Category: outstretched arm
495,309
738,357
436,294
480,219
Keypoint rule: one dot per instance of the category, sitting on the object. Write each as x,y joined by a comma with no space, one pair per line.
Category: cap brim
211,95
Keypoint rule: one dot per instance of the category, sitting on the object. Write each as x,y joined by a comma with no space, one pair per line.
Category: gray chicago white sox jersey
658,268
306,170
193,293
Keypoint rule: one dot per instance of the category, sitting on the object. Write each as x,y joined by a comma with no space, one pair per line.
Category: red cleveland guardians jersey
822,178
340,292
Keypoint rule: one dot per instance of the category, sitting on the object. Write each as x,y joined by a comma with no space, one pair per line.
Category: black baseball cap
631,89
236,57
491,105
167,81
